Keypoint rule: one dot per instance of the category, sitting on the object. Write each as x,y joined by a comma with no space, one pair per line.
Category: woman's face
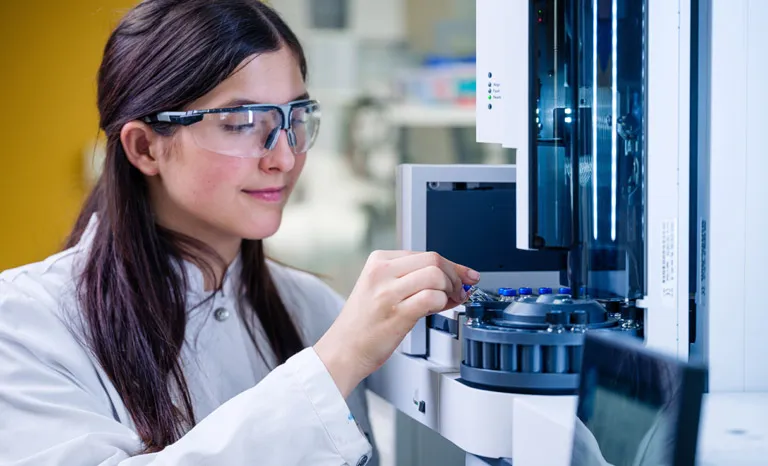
221,199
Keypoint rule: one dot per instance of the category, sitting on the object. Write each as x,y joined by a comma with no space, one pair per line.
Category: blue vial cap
467,287
564,290
545,290
507,292
525,291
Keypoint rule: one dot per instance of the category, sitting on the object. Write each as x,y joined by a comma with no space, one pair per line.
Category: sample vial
507,295
473,311
475,294
629,318
526,294
578,321
556,321
614,309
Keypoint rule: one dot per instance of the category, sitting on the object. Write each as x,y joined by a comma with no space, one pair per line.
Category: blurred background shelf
430,116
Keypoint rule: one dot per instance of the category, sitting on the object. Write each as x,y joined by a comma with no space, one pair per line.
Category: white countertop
734,430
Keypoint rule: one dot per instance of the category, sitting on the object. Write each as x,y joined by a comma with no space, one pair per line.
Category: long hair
163,55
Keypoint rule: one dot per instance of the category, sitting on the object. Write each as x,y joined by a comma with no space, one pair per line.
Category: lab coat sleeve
315,306
53,413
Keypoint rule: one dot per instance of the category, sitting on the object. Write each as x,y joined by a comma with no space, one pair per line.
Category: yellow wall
49,55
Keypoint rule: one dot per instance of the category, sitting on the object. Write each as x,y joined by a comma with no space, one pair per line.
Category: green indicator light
489,97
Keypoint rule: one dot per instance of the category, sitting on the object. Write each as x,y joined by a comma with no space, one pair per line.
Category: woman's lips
268,194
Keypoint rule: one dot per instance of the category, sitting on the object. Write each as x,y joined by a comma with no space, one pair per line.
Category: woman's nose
280,158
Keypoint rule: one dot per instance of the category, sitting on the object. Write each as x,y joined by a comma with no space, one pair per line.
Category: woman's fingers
458,275
384,255
468,276
427,278
423,303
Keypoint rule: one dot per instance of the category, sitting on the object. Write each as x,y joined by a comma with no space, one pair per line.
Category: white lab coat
58,407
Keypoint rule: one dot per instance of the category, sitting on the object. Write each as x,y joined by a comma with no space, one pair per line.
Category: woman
162,335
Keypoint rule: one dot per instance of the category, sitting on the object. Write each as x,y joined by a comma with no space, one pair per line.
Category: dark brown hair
163,55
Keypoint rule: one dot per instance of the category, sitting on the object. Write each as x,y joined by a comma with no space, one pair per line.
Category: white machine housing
733,196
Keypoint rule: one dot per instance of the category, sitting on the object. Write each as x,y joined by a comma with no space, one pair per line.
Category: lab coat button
221,314
363,461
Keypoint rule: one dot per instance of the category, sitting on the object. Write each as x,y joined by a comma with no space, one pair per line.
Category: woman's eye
238,128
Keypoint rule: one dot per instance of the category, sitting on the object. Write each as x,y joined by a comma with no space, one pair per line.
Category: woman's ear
142,147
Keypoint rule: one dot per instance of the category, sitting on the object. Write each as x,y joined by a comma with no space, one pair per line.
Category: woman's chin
262,228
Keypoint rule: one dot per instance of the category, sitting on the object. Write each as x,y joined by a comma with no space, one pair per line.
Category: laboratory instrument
637,185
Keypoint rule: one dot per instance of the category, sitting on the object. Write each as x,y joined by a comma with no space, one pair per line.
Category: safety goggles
249,130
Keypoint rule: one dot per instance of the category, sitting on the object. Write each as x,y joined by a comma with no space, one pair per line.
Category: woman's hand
395,290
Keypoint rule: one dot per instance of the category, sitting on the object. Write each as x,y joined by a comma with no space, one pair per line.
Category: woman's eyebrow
238,101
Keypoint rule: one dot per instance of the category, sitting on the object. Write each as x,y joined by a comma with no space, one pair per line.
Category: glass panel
552,108
588,79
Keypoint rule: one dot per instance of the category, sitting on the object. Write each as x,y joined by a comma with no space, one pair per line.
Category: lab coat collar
195,277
